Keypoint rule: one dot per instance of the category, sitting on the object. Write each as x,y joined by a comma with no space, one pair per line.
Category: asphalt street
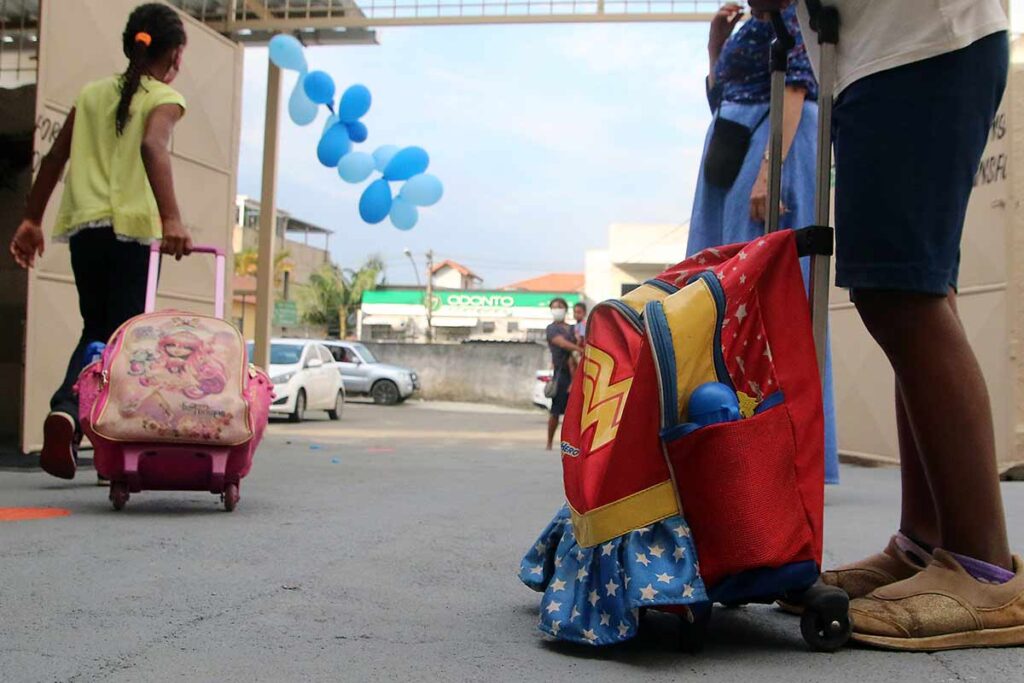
381,548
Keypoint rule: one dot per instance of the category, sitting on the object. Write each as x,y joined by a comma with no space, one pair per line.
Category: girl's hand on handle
177,241
723,24
27,243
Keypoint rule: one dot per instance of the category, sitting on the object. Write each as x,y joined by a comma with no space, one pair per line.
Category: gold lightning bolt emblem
603,402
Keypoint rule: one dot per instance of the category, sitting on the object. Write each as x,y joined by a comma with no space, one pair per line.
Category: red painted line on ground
21,514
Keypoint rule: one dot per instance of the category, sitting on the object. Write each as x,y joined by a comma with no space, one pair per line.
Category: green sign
468,299
286,314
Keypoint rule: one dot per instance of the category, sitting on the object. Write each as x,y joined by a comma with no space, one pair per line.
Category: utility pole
430,294
268,222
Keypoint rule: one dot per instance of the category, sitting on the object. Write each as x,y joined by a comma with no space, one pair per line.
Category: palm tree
247,263
332,295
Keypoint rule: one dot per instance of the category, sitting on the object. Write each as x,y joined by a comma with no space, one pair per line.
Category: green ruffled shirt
106,181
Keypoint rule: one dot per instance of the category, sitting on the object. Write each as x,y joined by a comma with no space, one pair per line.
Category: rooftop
550,282
457,267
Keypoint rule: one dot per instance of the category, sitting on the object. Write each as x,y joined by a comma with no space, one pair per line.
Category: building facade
297,259
636,252
456,315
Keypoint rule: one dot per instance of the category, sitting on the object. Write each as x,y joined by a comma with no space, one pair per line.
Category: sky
543,135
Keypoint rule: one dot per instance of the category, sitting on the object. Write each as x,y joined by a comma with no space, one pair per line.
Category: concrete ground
381,548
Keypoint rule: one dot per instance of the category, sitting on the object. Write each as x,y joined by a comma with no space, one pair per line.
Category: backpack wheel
230,497
119,494
694,628
825,623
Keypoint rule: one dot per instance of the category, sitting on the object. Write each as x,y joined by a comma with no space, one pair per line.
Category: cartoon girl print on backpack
181,361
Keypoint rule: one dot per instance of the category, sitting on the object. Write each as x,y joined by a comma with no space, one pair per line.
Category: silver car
362,374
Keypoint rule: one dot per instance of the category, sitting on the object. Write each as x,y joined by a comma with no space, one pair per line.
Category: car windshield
280,354
364,353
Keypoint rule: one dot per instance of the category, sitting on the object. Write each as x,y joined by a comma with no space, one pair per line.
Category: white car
539,399
305,377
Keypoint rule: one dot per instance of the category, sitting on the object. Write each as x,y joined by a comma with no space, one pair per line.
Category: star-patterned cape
592,595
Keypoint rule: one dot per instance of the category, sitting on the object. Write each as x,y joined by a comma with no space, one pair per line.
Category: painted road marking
22,514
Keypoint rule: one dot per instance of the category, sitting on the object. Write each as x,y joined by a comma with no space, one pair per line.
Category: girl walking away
118,199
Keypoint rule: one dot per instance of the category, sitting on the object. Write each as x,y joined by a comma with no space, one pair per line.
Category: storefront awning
448,321
393,321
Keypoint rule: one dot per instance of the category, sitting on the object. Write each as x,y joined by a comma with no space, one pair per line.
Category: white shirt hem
920,54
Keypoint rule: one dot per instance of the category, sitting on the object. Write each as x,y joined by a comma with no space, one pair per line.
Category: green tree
332,295
247,263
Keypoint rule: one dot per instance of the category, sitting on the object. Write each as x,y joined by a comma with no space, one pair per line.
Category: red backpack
751,489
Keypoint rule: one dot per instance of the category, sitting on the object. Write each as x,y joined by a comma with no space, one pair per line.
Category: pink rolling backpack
173,403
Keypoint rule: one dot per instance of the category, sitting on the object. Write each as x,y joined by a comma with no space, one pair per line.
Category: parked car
539,399
305,377
362,374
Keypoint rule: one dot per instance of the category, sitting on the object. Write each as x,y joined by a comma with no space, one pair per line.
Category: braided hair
153,30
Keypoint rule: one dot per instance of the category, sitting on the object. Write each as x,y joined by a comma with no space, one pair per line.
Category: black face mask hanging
727,149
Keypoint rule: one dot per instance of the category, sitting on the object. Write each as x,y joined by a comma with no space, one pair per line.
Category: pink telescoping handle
154,271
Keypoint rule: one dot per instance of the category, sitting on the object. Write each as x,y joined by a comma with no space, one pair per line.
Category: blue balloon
375,204
422,190
331,120
286,52
382,155
403,214
407,163
333,145
355,102
319,87
357,131
355,167
301,109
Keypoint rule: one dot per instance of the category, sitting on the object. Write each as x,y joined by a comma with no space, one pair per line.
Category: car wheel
299,414
339,403
385,393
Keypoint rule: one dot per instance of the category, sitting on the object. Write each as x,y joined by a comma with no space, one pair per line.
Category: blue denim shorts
908,142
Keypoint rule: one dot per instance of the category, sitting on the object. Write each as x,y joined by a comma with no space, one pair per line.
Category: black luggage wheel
825,623
693,628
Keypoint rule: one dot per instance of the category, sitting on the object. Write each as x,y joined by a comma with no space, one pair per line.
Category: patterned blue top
743,73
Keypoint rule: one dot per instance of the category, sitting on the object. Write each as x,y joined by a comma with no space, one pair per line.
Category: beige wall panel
210,136
983,251
863,389
51,335
985,317
80,42
864,381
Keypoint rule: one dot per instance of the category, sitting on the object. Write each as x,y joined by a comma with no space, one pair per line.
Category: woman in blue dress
738,89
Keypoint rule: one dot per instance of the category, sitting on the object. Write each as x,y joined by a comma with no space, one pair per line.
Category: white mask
558,314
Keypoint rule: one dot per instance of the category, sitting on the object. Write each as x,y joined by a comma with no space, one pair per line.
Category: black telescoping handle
783,43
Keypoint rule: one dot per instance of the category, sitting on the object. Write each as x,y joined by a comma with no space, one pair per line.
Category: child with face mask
562,343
